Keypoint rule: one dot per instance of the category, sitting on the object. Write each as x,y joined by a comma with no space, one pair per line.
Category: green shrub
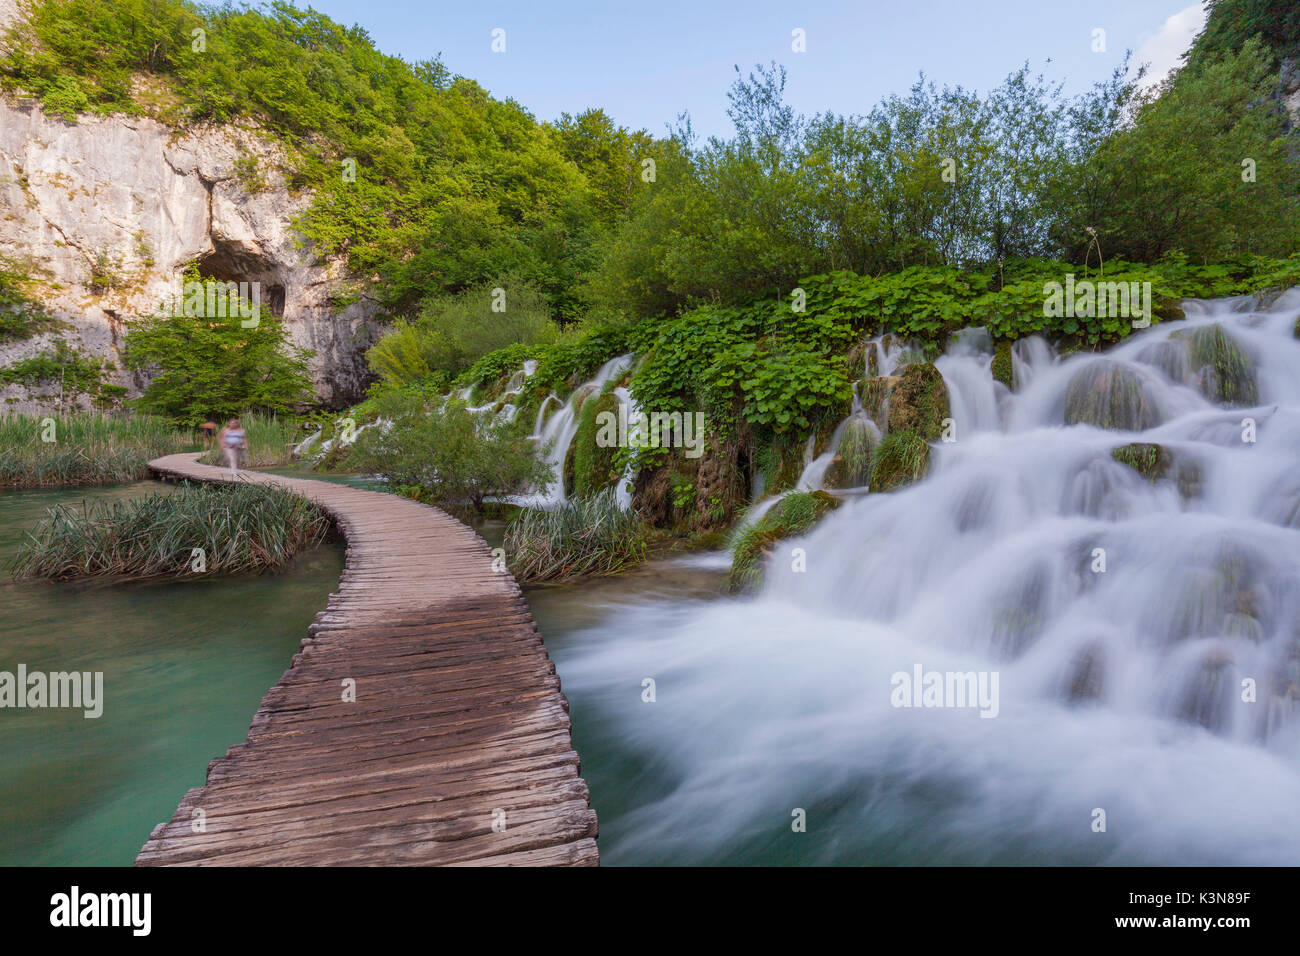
216,367
239,528
581,536
63,366
454,458
21,316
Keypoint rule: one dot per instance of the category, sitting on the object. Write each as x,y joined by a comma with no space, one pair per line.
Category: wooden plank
458,716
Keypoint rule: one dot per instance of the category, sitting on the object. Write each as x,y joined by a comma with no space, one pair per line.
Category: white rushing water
1124,618
554,431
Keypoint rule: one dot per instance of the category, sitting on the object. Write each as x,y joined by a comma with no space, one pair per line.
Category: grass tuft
87,449
582,536
239,528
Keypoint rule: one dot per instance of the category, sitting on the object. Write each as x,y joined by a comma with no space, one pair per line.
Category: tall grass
582,536
238,528
270,442
83,448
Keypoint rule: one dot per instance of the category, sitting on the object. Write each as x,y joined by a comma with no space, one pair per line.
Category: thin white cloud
1164,49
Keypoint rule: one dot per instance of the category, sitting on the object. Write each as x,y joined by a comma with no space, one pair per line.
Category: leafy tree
1201,167
202,367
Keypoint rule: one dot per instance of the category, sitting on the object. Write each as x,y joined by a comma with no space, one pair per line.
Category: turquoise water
185,666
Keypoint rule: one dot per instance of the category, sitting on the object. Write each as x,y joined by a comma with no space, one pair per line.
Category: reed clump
83,448
581,536
195,531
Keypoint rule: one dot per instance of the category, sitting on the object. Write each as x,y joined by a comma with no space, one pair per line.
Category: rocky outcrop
919,402
107,212
1109,395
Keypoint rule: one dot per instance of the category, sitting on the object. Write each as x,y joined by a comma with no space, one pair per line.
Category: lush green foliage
1231,23
446,455
239,528
452,331
216,367
589,535
84,449
61,367
1199,166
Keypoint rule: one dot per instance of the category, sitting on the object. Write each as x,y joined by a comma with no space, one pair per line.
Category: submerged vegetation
591,535
196,530
82,449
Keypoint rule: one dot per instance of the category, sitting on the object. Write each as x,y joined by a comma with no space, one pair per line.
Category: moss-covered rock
719,486
873,394
851,466
1108,395
781,464
900,459
1224,371
1003,366
1149,460
593,465
919,402
795,514
1296,330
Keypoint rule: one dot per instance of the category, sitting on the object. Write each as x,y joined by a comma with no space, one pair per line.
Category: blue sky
645,62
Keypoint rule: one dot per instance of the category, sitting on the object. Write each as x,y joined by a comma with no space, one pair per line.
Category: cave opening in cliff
234,262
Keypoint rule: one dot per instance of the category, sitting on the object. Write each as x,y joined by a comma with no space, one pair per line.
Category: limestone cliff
106,212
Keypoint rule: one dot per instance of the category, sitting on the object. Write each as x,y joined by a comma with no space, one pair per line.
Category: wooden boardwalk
456,749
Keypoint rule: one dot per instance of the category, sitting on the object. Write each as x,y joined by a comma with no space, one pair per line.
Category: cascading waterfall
1144,624
555,434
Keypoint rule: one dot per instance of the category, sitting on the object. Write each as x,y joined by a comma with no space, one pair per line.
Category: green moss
1148,460
1108,395
851,466
593,466
1226,372
781,464
901,459
1296,331
793,515
1003,367
872,393
919,402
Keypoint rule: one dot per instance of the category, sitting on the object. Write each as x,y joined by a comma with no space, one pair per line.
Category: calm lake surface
185,666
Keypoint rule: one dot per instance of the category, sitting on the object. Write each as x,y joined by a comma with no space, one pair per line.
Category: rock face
107,212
